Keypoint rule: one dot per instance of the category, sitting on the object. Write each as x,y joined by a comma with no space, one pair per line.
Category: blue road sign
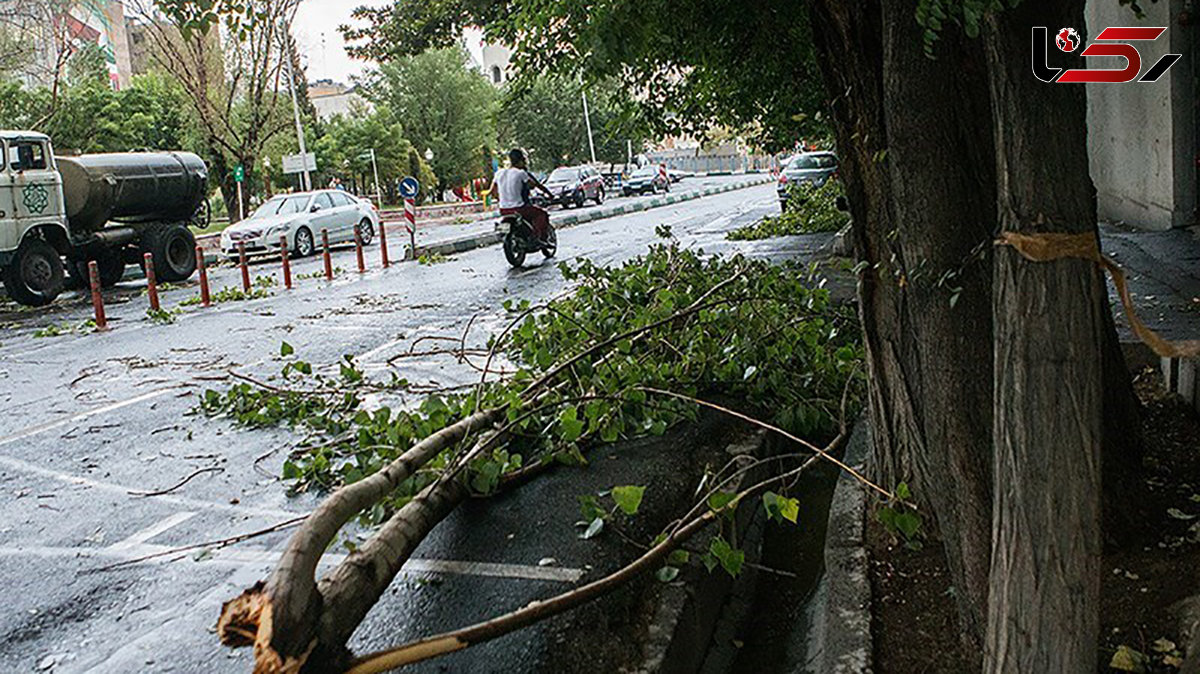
409,188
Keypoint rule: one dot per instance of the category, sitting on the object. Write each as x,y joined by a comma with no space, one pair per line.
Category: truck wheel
174,251
109,262
34,277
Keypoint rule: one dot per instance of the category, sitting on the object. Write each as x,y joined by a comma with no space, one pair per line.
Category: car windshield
813,161
564,174
289,205
644,173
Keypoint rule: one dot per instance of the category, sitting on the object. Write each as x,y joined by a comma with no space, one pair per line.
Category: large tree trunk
916,156
1050,330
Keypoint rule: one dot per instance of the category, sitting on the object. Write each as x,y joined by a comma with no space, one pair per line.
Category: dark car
572,186
806,167
648,179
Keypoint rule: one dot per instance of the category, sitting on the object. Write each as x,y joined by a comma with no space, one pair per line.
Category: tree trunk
916,156
1050,331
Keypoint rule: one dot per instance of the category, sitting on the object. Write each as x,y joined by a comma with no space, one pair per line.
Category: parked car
650,179
806,167
301,217
572,186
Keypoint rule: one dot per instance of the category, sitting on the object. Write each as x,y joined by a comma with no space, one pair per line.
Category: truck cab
32,213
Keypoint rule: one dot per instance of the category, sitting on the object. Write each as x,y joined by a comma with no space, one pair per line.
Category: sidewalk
1163,270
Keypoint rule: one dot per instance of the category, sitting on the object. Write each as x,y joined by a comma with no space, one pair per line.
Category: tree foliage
693,66
441,105
345,145
545,117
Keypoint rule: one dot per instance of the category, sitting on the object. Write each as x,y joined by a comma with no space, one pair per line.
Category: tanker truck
59,213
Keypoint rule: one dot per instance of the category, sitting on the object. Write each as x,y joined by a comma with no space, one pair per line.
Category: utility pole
375,172
305,180
588,121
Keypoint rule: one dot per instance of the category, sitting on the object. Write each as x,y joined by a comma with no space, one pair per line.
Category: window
340,199
563,174
288,205
814,161
25,155
324,201
497,75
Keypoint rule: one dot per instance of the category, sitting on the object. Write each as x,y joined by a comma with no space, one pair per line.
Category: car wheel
34,277
366,231
303,246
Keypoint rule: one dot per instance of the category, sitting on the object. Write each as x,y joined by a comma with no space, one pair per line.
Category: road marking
34,430
18,464
156,529
241,557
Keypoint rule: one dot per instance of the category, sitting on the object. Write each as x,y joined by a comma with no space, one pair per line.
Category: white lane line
241,557
18,464
34,430
156,529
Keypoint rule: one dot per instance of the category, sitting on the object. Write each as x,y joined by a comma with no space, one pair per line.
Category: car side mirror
315,208
842,204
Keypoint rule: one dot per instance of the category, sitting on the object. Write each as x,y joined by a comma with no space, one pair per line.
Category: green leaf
720,499
286,349
731,558
666,574
570,426
902,491
908,523
781,508
678,557
593,529
628,498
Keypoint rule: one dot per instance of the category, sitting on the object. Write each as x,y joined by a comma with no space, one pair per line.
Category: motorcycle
519,240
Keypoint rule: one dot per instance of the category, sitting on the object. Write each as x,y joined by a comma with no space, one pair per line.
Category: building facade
1143,136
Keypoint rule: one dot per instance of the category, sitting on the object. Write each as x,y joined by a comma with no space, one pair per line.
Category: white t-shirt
510,182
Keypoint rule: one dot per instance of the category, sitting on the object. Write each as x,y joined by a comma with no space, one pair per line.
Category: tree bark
1049,332
916,157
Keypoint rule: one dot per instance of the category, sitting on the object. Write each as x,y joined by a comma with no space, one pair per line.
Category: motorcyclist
514,185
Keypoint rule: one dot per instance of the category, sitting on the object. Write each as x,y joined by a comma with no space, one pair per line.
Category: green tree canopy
546,118
441,105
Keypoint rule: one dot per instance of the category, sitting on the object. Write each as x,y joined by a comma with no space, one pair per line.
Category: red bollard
383,243
205,298
287,263
328,260
151,286
242,264
358,251
97,299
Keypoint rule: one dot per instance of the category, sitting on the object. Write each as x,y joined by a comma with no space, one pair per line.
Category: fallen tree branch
456,640
215,544
168,490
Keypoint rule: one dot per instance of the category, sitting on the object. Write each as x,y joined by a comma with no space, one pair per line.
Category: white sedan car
301,217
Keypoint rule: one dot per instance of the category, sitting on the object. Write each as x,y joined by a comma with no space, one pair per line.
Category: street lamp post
588,121
375,173
306,180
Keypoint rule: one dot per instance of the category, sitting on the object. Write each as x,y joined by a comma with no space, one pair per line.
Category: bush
810,209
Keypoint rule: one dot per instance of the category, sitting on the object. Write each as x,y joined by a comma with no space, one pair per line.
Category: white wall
1141,136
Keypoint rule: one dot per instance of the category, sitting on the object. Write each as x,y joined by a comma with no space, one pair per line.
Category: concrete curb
689,615
840,639
484,239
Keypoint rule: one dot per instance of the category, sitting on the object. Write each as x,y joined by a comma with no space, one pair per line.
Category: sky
321,44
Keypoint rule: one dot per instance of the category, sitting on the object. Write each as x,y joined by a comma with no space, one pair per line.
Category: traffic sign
409,188
239,173
296,163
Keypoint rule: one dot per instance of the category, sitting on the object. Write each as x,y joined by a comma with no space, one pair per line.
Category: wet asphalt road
93,421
